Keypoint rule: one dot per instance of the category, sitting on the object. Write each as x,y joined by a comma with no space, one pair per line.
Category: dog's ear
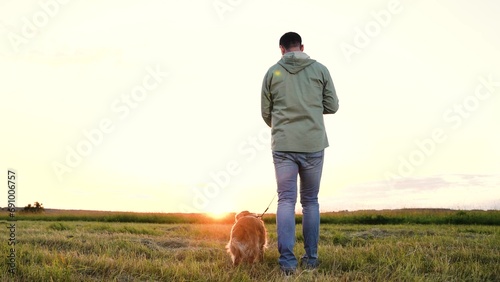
242,214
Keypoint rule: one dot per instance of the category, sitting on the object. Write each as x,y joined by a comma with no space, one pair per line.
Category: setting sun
217,215
218,212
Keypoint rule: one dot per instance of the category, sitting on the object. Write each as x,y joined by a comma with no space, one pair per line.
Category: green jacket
296,92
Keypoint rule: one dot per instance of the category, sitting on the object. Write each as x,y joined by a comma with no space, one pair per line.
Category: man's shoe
308,264
288,271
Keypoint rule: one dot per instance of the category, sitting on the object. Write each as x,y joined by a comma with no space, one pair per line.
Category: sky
154,106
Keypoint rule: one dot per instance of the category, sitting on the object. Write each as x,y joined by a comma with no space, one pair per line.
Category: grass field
97,248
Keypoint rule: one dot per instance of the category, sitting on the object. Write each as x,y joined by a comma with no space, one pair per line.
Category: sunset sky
154,106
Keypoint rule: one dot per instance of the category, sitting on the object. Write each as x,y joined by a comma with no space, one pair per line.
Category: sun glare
217,215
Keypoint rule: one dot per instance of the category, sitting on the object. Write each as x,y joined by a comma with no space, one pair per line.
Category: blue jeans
309,166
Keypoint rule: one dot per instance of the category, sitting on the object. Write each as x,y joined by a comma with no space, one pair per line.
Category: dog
248,239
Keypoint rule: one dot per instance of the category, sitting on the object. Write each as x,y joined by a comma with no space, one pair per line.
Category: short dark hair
290,39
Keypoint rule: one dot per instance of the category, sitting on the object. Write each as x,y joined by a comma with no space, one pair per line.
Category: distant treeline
412,216
401,216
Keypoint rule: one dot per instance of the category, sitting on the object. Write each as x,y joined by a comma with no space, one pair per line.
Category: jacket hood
296,61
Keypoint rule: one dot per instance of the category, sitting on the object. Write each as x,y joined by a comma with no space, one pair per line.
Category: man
296,92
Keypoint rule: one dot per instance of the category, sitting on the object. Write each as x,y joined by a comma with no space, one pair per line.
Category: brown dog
248,239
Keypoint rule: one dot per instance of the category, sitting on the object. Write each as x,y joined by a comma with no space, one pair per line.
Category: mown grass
116,251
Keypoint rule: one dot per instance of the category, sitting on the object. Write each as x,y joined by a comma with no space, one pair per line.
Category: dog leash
267,206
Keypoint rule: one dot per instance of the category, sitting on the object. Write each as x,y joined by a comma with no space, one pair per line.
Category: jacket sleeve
266,102
330,99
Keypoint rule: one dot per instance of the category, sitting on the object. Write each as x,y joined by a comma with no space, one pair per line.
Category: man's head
290,42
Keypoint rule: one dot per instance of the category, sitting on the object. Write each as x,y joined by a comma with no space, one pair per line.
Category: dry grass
103,251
